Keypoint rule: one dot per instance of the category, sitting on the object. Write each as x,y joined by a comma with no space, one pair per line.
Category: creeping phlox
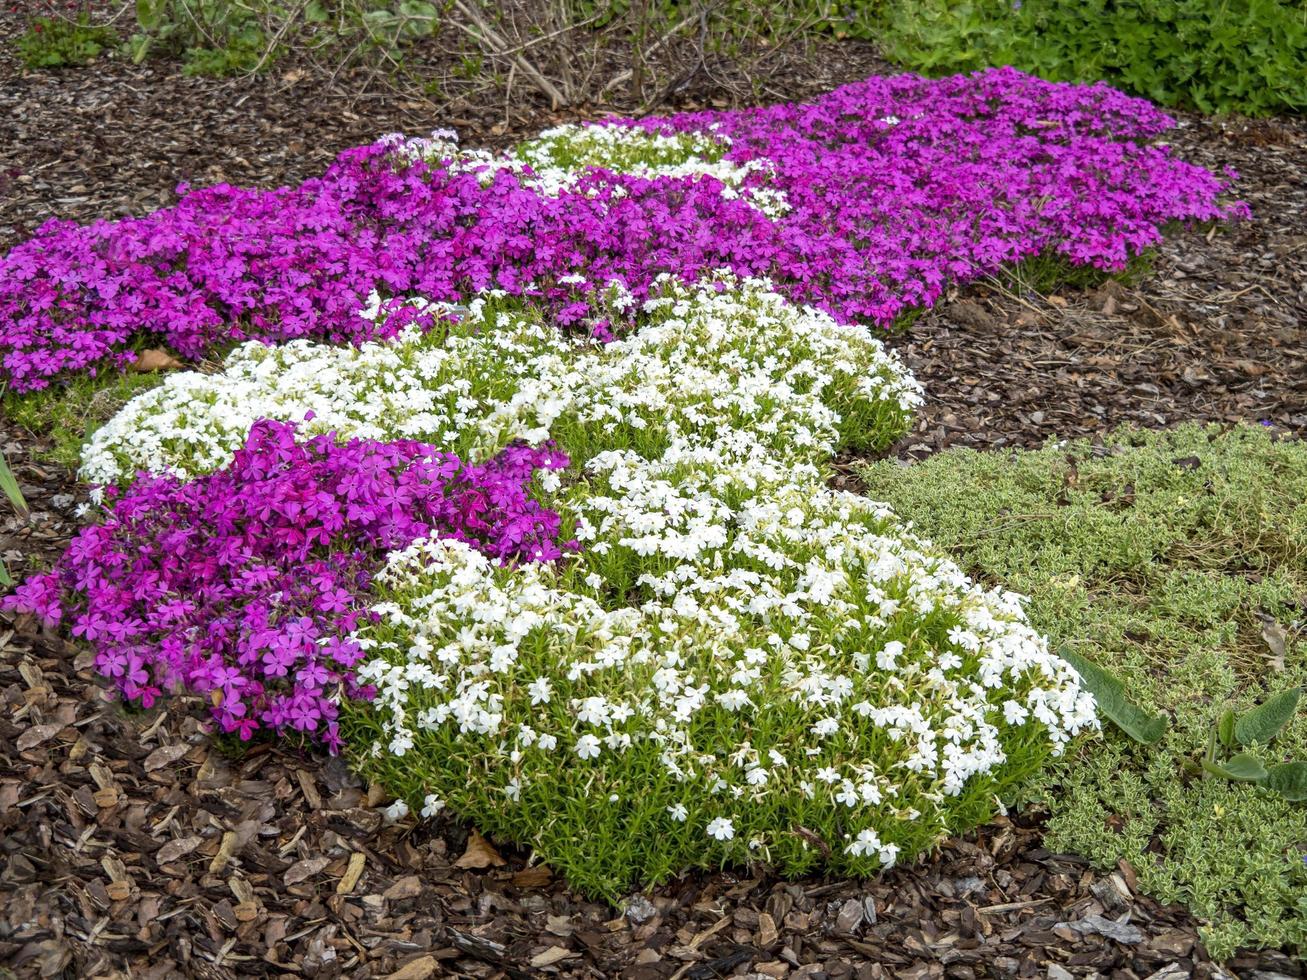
730,661
571,157
495,371
242,586
739,662
865,203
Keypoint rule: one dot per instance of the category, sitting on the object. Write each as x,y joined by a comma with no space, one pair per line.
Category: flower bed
683,650
733,651
244,586
863,203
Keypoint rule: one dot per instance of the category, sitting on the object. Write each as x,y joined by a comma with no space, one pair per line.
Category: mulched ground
1217,331
133,844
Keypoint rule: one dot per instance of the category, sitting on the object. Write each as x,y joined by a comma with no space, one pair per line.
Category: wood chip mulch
1217,331
131,845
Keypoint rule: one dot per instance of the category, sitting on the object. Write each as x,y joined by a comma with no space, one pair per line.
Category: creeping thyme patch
1179,561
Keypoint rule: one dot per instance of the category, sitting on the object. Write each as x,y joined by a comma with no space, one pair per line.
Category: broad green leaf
1225,728
149,14
9,486
6,580
1241,768
1289,779
1263,723
1109,692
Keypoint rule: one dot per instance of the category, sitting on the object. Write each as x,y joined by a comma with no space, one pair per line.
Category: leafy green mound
1247,56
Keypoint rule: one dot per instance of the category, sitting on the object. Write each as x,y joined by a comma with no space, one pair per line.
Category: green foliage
1260,725
56,42
1241,768
68,414
1289,779
225,37
9,488
213,37
1246,56
1156,556
1110,694
1048,272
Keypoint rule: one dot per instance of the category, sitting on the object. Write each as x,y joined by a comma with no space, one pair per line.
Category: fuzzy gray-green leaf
1241,768
1289,779
1225,728
1109,692
1261,724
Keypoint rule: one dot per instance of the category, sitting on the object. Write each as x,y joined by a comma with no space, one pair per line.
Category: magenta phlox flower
895,186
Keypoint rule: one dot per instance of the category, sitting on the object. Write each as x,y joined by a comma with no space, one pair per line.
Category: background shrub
59,42
1246,56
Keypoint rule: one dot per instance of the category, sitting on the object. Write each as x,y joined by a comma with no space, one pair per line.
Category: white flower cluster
495,373
460,387
737,650
558,158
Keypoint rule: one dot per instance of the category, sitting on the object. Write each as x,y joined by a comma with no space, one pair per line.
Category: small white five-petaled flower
721,829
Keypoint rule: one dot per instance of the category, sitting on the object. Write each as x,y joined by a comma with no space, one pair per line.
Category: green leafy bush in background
1178,561
213,37
58,42
1246,56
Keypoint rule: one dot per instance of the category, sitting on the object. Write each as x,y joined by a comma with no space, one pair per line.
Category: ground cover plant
891,188
243,586
67,414
1177,560
733,649
699,681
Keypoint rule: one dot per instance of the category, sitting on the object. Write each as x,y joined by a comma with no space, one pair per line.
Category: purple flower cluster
896,186
899,185
243,585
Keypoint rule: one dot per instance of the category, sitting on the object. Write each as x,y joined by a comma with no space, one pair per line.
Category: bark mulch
132,844
136,844
1216,331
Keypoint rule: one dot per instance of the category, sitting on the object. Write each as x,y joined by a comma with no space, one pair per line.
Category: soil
131,844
